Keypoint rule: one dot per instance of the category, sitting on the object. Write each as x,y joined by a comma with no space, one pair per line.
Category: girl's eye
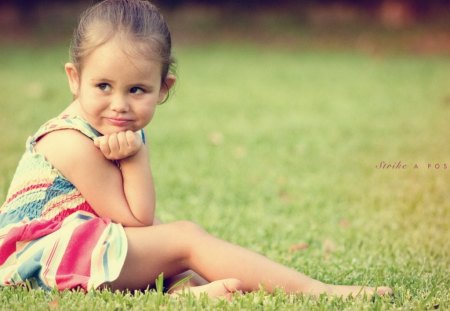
104,86
136,90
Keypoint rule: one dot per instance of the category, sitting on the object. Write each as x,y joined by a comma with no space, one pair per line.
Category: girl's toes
232,285
382,291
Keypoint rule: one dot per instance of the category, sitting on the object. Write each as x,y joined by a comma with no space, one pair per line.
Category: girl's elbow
136,222
145,221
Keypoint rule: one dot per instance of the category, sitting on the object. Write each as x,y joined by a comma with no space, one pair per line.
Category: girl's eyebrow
101,80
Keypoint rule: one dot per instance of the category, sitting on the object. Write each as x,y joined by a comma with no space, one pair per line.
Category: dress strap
69,122
65,122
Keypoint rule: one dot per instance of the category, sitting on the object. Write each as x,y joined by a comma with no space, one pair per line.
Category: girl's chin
111,130
106,128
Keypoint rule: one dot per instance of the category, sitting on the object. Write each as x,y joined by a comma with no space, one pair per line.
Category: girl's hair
137,21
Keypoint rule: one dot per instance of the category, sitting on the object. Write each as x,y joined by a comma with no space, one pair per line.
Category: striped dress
50,237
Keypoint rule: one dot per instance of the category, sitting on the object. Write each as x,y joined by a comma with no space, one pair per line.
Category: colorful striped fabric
50,236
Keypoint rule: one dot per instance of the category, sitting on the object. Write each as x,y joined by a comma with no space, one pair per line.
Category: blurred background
283,113
372,26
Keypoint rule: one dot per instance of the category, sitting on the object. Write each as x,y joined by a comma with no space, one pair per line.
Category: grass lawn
269,149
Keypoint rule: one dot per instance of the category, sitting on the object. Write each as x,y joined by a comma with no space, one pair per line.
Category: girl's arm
124,195
128,148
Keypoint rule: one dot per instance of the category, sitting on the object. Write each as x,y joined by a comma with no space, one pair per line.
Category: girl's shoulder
65,122
63,141
66,143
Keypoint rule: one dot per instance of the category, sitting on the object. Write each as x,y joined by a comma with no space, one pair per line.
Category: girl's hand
118,146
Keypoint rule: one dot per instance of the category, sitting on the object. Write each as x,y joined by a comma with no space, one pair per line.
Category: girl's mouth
120,122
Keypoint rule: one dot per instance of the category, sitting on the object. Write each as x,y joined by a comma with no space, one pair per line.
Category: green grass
270,148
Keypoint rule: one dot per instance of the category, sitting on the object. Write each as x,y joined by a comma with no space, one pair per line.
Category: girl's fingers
122,141
113,143
133,139
103,144
117,146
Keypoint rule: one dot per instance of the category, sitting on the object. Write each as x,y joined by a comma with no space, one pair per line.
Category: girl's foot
221,288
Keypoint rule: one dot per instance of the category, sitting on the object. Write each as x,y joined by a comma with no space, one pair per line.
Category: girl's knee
187,228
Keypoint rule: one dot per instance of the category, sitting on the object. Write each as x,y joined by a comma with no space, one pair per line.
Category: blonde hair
138,21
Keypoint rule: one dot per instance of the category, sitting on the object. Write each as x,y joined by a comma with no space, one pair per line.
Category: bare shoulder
84,165
69,150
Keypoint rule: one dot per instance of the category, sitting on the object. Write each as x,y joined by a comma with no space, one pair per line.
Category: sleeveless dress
50,237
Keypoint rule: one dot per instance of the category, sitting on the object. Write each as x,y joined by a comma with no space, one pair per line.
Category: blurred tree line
422,6
419,7
22,13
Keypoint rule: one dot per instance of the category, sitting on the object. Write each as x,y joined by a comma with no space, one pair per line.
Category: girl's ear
73,78
166,85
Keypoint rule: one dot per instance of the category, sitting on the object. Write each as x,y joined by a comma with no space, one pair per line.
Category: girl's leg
176,247
163,249
195,280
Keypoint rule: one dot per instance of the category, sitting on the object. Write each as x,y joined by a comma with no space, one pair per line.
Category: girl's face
117,91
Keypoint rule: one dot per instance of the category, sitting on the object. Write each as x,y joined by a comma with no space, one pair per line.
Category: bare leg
197,285
176,247
195,280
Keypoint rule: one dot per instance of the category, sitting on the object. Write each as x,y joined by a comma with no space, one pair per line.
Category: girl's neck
73,109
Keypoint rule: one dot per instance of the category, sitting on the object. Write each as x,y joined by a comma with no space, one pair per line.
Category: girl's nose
119,104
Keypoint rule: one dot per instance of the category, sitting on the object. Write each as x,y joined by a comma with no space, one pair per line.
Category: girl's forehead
116,53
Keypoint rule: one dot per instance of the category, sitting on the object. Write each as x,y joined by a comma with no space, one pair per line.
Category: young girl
80,211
